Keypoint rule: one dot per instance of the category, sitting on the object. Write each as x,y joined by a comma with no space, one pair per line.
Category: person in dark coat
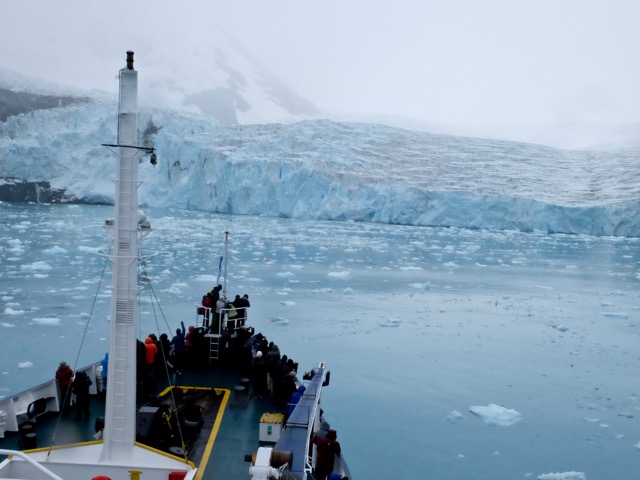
259,375
81,385
165,347
214,297
273,369
64,377
178,343
241,303
287,386
326,451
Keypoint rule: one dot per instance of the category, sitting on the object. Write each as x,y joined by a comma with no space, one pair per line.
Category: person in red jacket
326,451
64,376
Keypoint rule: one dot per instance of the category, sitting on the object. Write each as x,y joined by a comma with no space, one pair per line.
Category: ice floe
563,476
494,414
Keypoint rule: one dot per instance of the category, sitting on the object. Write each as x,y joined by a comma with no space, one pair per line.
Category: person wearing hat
259,374
64,377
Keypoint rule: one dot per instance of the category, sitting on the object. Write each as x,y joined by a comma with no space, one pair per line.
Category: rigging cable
154,302
84,336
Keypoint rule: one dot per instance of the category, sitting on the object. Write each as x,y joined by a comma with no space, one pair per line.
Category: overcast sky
495,65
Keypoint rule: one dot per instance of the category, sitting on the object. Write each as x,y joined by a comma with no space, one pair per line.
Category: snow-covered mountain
326,170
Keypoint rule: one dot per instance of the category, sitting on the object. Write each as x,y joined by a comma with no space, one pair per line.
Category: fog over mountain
224,82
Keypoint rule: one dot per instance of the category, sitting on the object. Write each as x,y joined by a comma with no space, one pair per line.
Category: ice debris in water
497,415
453,416
563,476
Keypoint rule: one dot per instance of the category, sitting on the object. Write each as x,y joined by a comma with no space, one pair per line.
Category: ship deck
223,441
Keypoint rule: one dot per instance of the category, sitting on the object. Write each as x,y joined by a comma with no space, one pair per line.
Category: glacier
327,170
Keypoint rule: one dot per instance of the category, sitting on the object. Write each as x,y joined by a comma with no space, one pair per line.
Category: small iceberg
563,476
454,416
494,414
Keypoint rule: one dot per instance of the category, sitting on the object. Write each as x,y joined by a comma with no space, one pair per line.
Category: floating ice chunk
451,265
46,321
410,268
591,419
341,275
284,274
206,278
322,290
280,321
563,476
36,267
625,414
11,311
54,251
173,289
391,322
616,314
288,303
454,416
26,364
497,415
561,328
7,325
637,445
421,286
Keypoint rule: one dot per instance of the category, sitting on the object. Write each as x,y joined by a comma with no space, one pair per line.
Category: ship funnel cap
129,60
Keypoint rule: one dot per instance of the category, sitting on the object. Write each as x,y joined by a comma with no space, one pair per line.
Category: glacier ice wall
327,170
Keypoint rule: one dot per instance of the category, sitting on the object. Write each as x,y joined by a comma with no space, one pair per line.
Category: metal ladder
214,346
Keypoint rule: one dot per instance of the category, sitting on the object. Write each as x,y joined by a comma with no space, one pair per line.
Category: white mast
120,410
118,456
226,251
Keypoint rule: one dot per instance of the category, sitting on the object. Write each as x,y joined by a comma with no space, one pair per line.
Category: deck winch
270,464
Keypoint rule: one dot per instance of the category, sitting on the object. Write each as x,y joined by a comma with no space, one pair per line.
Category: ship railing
30,461
207,317
303,422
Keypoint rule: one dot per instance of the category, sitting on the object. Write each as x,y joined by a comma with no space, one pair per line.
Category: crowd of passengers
272,374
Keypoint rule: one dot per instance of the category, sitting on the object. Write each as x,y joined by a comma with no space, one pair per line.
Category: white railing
208,318
31,462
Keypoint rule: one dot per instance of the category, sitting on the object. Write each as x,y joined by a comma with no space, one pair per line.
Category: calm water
416,324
